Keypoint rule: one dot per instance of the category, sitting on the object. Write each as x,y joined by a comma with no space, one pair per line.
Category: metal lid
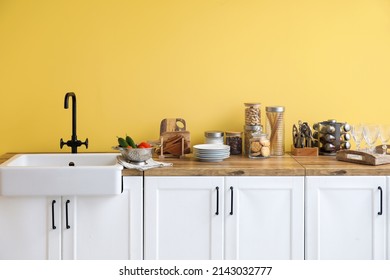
253,127
213,133
274,109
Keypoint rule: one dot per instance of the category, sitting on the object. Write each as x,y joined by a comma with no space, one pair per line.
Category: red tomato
144,145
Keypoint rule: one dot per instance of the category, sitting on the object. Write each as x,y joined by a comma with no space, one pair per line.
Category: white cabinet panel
183,217
28,230
189,218
265,219
342,220
84,227
105,227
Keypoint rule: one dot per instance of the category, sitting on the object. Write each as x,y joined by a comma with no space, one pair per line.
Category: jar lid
213,133
252,104
274,109
233,133
253,127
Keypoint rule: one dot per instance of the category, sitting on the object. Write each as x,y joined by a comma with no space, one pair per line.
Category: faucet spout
66,106
73,143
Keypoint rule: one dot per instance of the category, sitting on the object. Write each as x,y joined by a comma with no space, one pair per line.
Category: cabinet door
104,227
183,218
264,218
28,229
388,217
343,218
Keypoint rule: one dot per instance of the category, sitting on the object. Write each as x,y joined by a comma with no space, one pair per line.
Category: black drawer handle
217,211
53,226
66,214
231,201
381,201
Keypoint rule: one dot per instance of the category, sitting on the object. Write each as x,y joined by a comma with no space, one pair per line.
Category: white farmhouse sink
52,174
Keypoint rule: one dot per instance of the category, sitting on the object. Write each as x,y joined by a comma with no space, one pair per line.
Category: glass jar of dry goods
275,129
234,140
252,114
250,132
214,137
259,146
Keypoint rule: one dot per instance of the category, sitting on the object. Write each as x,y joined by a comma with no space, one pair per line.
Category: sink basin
61,174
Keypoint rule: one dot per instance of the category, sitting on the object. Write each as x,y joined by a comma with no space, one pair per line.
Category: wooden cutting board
175,126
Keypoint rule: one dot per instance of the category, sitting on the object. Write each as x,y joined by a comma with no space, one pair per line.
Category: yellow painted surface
132,63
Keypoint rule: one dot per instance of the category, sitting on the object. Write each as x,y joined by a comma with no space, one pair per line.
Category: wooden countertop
329,166
242,166
233,166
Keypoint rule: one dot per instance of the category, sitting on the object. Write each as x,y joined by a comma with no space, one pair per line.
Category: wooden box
304,152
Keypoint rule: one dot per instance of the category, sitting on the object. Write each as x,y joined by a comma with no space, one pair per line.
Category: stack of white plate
211,152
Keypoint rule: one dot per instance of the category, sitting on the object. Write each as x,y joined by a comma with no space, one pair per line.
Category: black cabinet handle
53,226
381,201
217,212
231,201
66,214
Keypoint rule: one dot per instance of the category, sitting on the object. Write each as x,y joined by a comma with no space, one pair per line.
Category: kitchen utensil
172,130
137,156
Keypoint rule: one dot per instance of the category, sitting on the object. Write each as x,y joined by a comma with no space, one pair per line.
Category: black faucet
74,143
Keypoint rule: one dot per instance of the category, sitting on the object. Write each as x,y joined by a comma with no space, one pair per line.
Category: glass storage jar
275,129
214,137
234,140
252,114
250,132
259,146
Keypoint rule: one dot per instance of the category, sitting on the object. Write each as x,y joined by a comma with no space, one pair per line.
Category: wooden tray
362,157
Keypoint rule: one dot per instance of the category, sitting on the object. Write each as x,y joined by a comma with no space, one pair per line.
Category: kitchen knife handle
217,211
53,226
66,214
231,201
381,201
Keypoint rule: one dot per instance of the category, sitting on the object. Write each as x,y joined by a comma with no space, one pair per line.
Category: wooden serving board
173,124
362,157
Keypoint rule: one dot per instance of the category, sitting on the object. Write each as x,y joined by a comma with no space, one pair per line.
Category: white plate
198,156
211,147
212,153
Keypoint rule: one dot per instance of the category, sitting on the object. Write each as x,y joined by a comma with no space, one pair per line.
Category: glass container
259,146
275,129
234,140
252,114
214,137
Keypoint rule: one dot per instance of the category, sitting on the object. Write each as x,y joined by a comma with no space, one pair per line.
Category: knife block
304,152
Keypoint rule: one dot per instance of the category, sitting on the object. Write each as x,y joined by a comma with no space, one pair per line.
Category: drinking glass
357,134
384,136
370,134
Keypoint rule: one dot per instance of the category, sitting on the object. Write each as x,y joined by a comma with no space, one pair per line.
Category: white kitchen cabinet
183,218
84,227
388,218
264,218
104,227
203,218
28,231
346,217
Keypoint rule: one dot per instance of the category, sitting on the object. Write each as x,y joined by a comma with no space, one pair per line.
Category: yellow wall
132,63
